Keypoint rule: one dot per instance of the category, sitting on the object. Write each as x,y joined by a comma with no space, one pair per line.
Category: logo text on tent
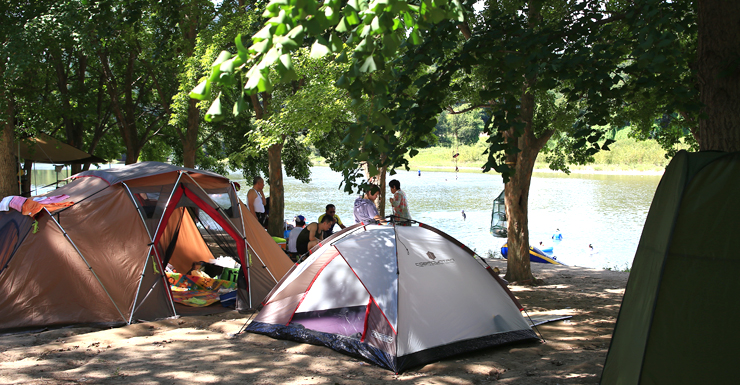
382,337
435,263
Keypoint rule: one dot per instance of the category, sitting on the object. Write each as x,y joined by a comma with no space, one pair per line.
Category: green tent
676,322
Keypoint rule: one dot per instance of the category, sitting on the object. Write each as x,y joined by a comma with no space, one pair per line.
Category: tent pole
174,187
146,259
86,263
141,281
20,170
138,208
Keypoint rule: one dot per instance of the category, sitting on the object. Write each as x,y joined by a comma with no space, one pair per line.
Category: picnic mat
196,291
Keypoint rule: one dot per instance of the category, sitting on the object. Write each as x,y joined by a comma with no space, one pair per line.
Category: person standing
256,200
398,201
364,208
331,211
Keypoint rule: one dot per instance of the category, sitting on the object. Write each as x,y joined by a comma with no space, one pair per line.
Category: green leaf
436,15
286,61
335,43
272,55
343,25
408,19
415,37
261,47
214,113
342,58
202,91
331,16
253,82
319,50
241,49
353,18
390,44
355,4
368,65
240,105
222,57
264,33
376,27
297,33
285,42
264,84
342,81
227,66
288,75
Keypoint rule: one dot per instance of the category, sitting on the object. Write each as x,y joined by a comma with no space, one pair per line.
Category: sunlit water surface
607,211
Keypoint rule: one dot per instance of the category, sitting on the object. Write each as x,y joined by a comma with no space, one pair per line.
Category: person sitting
300,223
312,235
365,210
331,211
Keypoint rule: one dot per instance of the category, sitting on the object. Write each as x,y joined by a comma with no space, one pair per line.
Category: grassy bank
626,155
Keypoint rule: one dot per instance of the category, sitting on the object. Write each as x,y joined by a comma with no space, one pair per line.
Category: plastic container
229,274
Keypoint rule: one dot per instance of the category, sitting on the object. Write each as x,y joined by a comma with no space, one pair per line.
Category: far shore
587,170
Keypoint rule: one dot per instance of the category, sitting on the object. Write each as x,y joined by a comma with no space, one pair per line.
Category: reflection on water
607,211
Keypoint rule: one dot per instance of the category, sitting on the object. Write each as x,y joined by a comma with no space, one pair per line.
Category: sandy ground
205,349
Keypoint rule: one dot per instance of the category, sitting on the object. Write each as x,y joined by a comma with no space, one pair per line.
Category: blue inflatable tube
535,255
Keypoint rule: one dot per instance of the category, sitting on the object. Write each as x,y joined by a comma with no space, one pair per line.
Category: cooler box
228,299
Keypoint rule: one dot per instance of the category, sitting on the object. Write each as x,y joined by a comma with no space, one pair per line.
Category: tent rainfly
102,259
398,296
675,322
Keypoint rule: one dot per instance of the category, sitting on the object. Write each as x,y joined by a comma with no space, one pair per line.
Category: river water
606,211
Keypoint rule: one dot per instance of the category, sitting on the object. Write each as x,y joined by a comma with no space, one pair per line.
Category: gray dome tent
398,296
674,326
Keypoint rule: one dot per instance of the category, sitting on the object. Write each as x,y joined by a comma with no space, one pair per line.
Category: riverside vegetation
627,154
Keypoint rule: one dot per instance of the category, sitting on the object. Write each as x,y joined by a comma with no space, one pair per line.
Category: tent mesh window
498,217
9,237
214,235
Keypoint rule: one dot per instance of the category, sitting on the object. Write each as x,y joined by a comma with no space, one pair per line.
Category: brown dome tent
102,259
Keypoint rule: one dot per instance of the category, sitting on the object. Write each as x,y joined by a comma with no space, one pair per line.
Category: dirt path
204,350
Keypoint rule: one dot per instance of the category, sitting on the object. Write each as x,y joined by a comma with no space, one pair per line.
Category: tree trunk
277,193
8,163
190,141
380,202
516,195
719,74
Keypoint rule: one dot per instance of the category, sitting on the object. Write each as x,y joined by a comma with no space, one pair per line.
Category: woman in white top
256,200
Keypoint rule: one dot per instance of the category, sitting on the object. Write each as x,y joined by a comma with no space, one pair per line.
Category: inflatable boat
535,255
